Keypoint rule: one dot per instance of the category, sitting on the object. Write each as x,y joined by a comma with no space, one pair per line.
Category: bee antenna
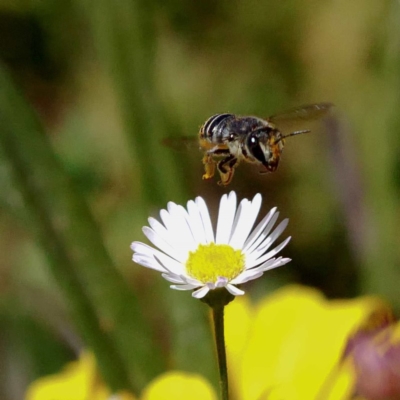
292,134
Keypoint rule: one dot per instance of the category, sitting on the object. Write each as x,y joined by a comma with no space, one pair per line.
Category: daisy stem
218,318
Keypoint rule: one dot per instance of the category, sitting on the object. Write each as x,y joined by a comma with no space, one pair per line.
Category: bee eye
231,137
253,142
254,147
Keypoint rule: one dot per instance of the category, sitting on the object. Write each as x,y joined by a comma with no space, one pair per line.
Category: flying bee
227,139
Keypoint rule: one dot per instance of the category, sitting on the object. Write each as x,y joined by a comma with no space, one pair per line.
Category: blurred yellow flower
78,381
179,386
289,346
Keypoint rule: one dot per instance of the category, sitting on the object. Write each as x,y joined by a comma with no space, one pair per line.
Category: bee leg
209,162
226,168
209,166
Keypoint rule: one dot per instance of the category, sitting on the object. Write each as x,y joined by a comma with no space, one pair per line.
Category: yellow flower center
213,261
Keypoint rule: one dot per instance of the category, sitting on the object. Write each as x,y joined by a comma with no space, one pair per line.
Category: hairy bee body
220,127
234,138
227,139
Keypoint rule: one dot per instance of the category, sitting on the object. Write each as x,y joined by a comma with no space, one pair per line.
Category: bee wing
181,143
299,117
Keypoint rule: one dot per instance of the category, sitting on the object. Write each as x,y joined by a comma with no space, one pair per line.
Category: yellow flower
289,346
78,381
176,385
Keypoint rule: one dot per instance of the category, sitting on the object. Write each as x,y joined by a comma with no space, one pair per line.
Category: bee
228,139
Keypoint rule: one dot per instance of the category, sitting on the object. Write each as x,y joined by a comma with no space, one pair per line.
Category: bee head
261,146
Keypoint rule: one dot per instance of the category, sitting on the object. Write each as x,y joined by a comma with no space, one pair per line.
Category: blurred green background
88,90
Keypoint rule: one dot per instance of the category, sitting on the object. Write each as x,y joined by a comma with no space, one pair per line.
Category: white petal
274,235
238,214
205,219
172,220
182,287
264,234
160,230
270,264
195,222
185,233
179,232
226,216
170,225
267,256
144,249
157,226
234,290
135,245
166,219
200,293
258,233
278,263
190,281
221,282
261,267
159,242
246,276
268,241
245,222
173,278
170,264
148,262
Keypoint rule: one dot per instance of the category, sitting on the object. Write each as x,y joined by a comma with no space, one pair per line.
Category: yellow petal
179,386
79,380
340,383
76,382
296,342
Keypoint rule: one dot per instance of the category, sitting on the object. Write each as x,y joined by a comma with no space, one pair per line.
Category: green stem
53,209
218,318
83,311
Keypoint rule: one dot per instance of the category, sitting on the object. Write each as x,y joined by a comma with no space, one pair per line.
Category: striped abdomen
213,128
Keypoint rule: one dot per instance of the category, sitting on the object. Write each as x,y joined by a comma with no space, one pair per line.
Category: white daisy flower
191,257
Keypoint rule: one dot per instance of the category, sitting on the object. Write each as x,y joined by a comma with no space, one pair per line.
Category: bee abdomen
212,125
